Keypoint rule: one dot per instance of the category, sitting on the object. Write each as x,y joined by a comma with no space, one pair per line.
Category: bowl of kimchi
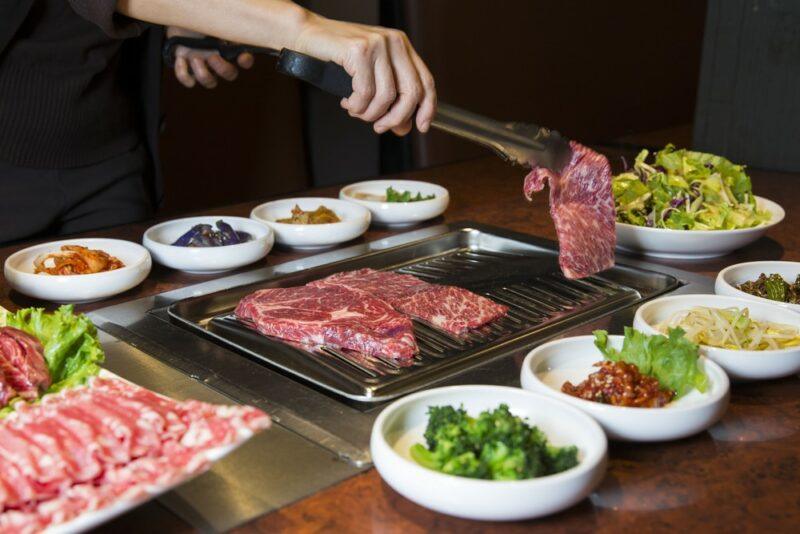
66,269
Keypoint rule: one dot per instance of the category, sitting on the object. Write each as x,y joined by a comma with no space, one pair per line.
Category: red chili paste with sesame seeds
620,384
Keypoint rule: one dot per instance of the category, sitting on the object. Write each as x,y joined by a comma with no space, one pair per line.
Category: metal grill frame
524,277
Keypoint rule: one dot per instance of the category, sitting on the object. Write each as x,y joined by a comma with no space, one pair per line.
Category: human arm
390,80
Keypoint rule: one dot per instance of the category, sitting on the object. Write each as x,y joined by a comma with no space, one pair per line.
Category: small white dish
732,276
399,213
693,244
207,260
739,364
402,424
18,271
354,222
547,367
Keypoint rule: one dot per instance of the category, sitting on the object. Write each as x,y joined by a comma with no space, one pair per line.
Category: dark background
608,72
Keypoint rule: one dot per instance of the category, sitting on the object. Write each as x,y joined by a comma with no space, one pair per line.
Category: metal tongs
523,144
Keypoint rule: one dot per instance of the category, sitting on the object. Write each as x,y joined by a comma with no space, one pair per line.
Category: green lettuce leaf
71,349
672,359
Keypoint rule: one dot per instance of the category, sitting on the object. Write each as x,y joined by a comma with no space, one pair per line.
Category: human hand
203,66
390,80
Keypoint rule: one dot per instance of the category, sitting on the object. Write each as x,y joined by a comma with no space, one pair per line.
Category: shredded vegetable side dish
731,328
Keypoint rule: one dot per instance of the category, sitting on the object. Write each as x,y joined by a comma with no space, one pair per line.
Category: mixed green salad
685,190
71,348
671,359
496,445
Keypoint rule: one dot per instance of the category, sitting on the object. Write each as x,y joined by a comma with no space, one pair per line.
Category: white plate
90,520
399,213
547,367
206,260
355,220
739,364
18,271
693,244
403,423
732,276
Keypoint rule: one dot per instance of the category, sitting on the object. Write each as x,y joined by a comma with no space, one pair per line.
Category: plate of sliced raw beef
90,453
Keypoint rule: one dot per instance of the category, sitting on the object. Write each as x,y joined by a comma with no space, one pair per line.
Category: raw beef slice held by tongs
582,208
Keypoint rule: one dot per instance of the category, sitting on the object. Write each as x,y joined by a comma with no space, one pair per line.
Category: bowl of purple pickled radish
208,244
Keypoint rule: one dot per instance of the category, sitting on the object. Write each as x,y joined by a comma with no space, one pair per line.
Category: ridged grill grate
534,303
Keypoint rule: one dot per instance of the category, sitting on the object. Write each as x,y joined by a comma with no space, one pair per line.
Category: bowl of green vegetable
488,452
639,387
776,282
398,202
688,205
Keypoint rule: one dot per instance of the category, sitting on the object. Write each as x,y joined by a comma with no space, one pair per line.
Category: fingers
409,87
403,129
427,106
358,63
182,72
201,72
385,91
390,82
225,70
193,66
245,60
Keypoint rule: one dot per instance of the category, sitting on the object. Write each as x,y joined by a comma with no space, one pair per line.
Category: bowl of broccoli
488,452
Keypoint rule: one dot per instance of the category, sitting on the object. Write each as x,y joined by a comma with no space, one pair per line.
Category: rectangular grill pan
523,276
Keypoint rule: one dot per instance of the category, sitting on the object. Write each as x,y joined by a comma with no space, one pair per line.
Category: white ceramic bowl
739,364
547,367
693,244
399,213
355,220
206,260
732,276
18,271
403,423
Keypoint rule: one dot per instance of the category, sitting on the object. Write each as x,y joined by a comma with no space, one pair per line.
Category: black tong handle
325,75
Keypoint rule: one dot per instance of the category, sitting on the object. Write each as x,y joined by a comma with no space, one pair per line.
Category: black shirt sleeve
104,14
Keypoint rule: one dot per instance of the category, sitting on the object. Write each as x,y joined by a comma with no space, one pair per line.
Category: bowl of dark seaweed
209,244
776,282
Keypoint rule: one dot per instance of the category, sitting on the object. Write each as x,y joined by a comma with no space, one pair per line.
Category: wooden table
743,473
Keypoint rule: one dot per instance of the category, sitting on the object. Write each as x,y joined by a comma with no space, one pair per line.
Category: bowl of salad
398,202
488,452
688,205
750,340
776,282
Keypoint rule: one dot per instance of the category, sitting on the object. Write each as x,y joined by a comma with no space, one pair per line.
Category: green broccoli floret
496,445
558,459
